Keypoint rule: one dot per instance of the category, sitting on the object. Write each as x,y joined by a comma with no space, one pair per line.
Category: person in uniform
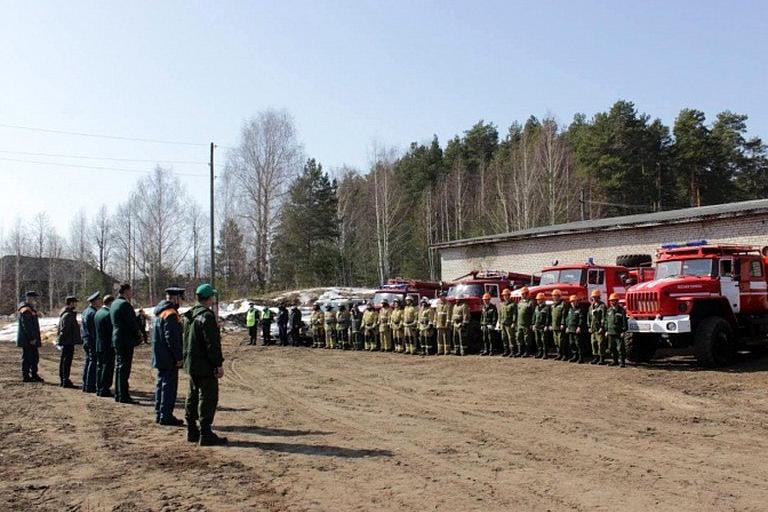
282,324
251,323
68,337
542,320
410,326
507,315
329,319
342,328
443,318
266,326
396,321
385,327
597,328
525,310
317,320
489,317
105,353
294,322
126,336
355,328
460,322
575,325
167,355
203,362
88,335
28,337
426,326
370,326
616,325
559,313
141,318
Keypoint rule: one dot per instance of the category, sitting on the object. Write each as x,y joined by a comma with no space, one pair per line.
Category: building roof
685,215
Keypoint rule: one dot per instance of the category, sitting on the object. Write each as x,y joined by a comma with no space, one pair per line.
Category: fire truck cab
398,289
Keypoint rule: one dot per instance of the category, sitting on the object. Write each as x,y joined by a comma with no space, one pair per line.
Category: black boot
594,360
622,364
209,438
601,361
173,421
193,433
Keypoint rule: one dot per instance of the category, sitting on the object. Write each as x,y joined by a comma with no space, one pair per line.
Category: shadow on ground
309,449
267,431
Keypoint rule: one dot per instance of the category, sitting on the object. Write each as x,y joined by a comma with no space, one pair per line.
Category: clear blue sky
350,72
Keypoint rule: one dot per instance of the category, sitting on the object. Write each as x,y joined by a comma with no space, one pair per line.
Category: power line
94,167
100,136
84,157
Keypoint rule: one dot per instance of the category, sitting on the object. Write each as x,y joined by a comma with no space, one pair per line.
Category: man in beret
88,335
28,338
167,355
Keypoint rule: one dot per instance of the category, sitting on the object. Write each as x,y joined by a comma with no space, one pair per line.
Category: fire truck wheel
713,343
634,260
641,347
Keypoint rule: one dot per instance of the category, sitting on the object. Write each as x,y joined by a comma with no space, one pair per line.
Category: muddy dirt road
320,430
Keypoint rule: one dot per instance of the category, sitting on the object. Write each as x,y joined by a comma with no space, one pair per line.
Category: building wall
531,254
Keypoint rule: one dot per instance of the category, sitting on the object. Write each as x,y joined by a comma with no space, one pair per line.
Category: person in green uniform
597,328
126,336
525,310
443,314
251,322
203,361
88,334
105,353
542,319
28,337
396,321
370,326
329,320
342,328
575,325
489,317
460,320
410,326
616,325
426,326
559,313
507,315
318,332
385,327
68,336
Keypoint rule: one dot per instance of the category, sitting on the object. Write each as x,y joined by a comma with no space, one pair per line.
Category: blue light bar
670,246
697,243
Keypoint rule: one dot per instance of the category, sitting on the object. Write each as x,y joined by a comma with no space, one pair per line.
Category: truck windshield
697,267
469,290
564,276
388,296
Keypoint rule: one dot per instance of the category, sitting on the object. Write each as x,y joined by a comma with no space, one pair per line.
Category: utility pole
213,244
583,202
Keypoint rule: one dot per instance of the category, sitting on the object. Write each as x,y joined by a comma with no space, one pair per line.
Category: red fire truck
713,297
398,289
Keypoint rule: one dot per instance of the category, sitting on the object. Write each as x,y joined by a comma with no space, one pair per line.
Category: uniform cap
424,300
205,291
71,298
556,293
92,297
613,296
540,296
175,291
595,293
524,290
505,292
31,293
108,300
574,298
385,302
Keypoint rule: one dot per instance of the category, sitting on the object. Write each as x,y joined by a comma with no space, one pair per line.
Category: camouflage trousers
410,338
398,337
385,337
598,344
443,341
371,342
460,338
618,347
330,336
508,338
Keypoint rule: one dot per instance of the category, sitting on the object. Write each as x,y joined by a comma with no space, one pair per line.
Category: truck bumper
668,325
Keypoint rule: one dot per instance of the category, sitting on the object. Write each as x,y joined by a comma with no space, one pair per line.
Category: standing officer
125,337
616,324
370,324
524,322
266,326
68,337
282,324
385,327
317,320
141,317
167,355
559,313
489,317
295,326
460,326
251,323
426,326
355,327
28,338
203,362
575,325
342,328
507,316
329,319
542,320
597,328
410,326
105,353
89,342
397,326
443,317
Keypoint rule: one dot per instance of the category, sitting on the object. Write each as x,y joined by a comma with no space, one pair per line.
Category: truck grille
643,302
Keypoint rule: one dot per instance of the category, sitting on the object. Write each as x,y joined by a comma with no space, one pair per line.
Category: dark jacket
87,328
489,316
525,310
167,337
295,319
542,316
202,342
125,328
28,334
282,316
615,320
69,330
577,318
103,325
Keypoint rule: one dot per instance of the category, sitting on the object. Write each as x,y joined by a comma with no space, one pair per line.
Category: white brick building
603,239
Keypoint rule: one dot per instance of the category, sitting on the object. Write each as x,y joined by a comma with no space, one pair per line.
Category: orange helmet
486,296
505,292
574,298
523,290
613,296
595,293
540,296
556,293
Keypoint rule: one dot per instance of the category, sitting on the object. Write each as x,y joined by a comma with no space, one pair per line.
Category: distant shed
604,239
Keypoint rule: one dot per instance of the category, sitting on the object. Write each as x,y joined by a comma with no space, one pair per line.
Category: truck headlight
671,326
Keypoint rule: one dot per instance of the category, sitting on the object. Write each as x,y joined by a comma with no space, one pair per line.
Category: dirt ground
327,430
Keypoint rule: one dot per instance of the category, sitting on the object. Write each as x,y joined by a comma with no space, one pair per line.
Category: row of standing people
289,325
